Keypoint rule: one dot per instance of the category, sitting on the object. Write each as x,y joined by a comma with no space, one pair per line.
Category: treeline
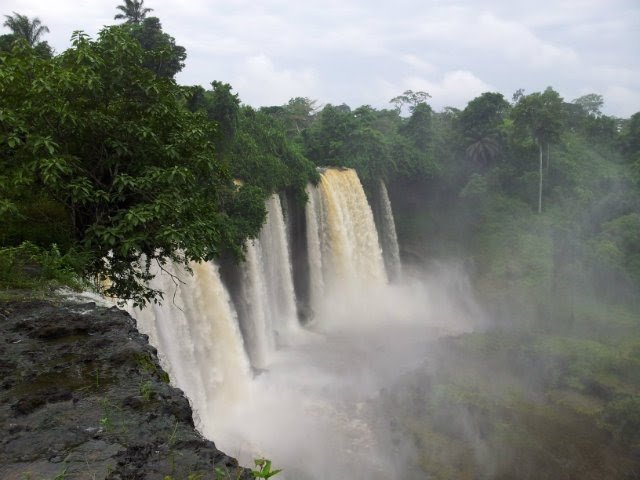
536,194
104,155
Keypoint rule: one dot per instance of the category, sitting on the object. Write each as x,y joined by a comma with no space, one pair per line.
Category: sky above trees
368,51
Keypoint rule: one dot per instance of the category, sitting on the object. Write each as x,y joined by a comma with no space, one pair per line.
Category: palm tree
484,150
132,11
22,27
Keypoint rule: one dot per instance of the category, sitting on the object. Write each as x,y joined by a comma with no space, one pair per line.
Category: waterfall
389,236
267,299
255,316
351,244
312,408
314,252
341,222
276,267
196,333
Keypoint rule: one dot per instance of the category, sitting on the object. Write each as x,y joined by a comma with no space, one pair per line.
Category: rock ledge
82,396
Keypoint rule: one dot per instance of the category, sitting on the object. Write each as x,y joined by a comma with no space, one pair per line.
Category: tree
164,57
591,104
418,126
22,27
411,98
483,115
223,107
630,137
133,11
42,48
584,115
484,150
540,115
262,154
324,141
517,95
629,144
29,31
255,144
479,124
298,114
134,171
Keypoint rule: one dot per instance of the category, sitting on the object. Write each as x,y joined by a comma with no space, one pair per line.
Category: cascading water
344,252
196,333
313,408
276,266
267,297
256,314
314,214
349,237
389,237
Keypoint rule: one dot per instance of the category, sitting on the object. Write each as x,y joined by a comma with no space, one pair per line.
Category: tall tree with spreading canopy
410,98
296,115
591,103
540,115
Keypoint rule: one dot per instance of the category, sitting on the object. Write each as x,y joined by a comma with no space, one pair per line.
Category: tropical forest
346,291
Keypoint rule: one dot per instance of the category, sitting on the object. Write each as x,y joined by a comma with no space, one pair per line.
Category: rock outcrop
82,396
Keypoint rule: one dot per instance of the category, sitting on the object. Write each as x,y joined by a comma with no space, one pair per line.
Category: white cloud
418,63
353,39
469,33
356,51
518,43
622,100
615,74
260,82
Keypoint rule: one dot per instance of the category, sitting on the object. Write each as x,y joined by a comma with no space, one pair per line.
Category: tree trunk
548,156
540,185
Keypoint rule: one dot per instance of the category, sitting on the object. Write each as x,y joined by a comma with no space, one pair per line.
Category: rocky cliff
82,396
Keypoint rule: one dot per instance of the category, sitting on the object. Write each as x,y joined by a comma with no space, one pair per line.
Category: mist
503,345
319,409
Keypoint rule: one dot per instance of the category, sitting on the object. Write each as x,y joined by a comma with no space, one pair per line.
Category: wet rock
72,400
52,332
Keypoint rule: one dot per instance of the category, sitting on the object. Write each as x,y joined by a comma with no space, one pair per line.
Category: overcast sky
368,51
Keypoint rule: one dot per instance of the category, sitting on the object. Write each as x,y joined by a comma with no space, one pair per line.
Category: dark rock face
82,396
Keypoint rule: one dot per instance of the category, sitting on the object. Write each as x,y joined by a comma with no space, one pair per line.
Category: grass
146,364
28,267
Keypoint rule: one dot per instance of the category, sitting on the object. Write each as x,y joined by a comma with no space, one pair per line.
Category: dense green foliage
255,144
110,147
163,57
108,167
110,163
36,268
378,144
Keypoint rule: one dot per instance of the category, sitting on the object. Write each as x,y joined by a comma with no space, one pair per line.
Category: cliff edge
82,396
